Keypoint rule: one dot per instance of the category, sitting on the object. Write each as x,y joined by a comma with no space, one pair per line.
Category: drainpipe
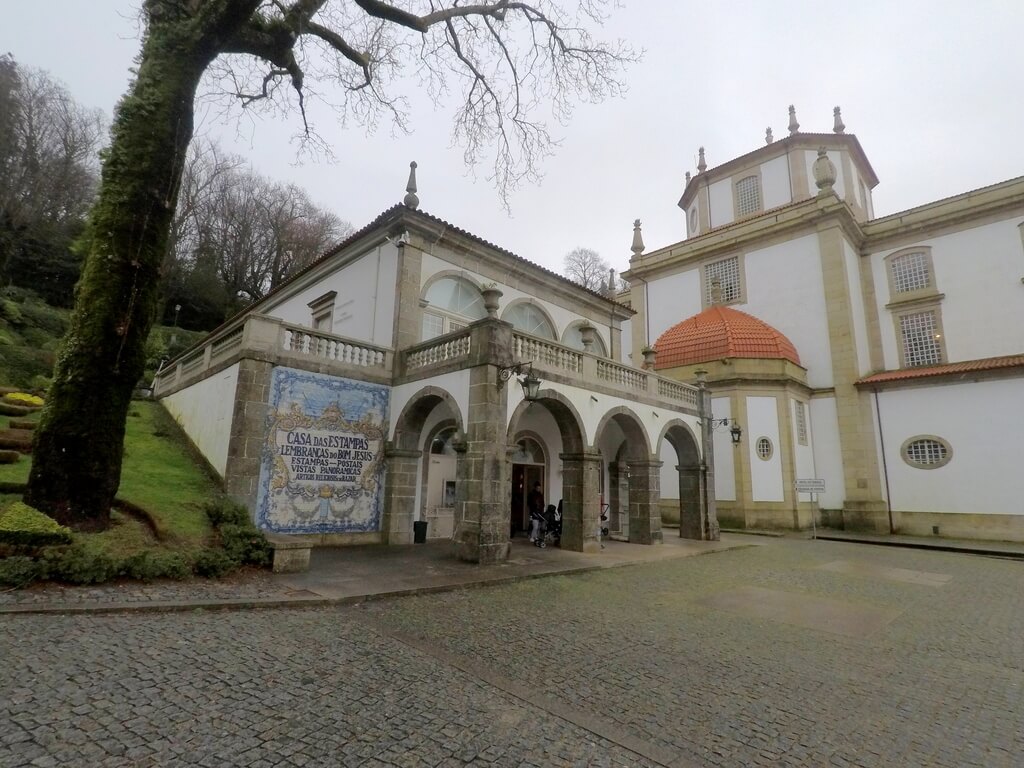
885,467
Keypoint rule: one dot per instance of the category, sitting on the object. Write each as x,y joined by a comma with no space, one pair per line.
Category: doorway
527,470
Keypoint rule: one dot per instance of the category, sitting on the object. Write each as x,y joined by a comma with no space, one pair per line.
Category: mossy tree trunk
76,467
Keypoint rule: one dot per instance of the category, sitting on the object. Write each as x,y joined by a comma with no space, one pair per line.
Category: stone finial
824,171
701,163
837,125
638,240
794,126
687,177
610,288
768,138
716,291
411,200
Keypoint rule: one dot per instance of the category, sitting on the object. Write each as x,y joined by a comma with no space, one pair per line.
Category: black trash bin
419,531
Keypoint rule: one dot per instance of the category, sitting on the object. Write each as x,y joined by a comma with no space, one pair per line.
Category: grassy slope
159,475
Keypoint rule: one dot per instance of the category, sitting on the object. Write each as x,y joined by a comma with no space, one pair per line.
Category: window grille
764,448
801,422
727,272
433,325
926,452
911,272
921,342
748,196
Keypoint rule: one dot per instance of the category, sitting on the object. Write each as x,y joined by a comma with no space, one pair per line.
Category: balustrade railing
298,340
546,354
674,390
622,375
434,352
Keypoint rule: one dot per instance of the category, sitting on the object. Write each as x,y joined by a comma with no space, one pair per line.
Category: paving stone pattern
601,661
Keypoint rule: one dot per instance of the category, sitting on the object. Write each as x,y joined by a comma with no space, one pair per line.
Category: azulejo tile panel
322,463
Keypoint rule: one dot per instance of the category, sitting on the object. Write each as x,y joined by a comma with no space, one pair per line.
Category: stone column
399,494
581,501
614,488
248,431
483,478
710,529
644,498
691,513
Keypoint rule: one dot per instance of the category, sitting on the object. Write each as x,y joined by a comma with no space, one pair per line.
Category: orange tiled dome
720,332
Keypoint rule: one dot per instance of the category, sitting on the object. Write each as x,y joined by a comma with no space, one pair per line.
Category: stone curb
937,547
241,604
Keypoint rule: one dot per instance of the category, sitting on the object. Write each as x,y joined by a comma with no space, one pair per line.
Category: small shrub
213,564
147,566
22,525
246,544
11,312
22,364
223,510
24,398
19,571
78,565
9,457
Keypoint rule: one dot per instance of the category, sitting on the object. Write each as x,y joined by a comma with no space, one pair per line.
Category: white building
883,355
380,388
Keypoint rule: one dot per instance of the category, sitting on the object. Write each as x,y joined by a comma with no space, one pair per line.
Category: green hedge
22,525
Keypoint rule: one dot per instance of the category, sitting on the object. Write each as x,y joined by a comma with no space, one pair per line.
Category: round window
926,452
764,448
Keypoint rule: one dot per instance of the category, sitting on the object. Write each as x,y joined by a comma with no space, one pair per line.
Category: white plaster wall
539,420
722,211
979,270
836,157
803,455
860,328
204,410
775,182
765,476
455,384
669,473
560,315
364,308
670,300
787,275
725,458
982,422
828,461
626,349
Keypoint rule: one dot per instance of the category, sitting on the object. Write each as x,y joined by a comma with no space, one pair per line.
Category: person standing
535,503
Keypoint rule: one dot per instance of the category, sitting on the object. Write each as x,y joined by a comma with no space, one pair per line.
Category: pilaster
408,312
581,501
644,495
399,494
248,431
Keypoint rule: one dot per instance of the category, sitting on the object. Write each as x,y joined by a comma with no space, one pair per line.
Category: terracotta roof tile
947,369
719,332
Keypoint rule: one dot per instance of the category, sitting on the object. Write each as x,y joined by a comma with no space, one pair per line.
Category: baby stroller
550,528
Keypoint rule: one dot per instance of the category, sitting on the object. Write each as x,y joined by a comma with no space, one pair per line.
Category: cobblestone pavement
250,583
628,667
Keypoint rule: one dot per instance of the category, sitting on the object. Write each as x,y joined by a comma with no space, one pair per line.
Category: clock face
693,219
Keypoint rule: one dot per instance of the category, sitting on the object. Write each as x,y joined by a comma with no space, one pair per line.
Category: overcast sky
931,89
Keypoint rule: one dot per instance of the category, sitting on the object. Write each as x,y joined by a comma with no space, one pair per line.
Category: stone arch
695,499
410,423
605,343
636,436
537,305
450,273
570,425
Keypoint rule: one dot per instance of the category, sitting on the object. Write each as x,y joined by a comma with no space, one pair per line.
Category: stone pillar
248,431
644,498
483,478
581,501
710,529
399,494
691,512
614,503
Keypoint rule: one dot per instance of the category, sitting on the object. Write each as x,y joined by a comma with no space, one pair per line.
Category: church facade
882,355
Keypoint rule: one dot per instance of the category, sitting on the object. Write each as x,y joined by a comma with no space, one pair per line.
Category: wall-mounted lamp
524,375
735,431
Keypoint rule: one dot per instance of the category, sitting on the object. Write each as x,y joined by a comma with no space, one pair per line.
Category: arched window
529,318
573,337
452,304
443,443
528,451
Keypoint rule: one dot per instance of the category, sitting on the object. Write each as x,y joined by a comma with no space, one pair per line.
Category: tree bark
76,467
